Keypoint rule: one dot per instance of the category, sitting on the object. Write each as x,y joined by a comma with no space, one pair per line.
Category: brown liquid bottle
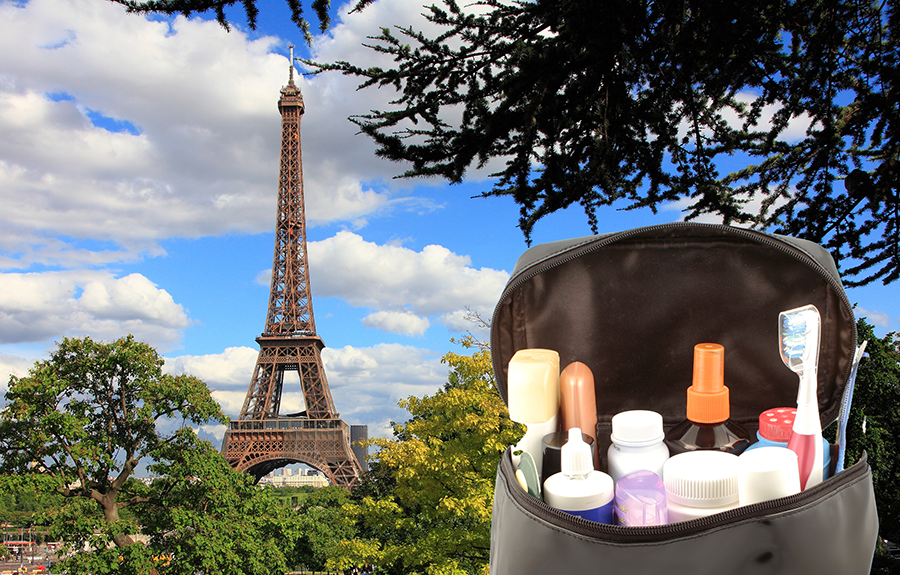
708,426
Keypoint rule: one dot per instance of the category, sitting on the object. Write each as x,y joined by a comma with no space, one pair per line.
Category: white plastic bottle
579,489
637,443
700,483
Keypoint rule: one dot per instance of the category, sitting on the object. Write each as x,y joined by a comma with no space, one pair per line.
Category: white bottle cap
767,473
702,478
576,459
637,428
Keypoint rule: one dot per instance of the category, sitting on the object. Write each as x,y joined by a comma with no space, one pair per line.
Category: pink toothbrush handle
805,448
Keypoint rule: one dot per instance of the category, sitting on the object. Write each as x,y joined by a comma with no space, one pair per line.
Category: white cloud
396,279
406,287
365,382
461,321
12,365
263,278
213,433
876,318
400,322
341,98
35,307
200,152
753,206
231,401
795,130
231,369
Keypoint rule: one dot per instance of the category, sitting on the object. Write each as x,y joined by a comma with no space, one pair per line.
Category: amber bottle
708,425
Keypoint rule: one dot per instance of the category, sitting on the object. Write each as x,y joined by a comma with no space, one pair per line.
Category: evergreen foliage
218,7
637,104
627,104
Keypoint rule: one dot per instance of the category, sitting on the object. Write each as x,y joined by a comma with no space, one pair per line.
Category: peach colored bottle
577,402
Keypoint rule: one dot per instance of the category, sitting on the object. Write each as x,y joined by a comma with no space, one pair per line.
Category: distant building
359,434
146,480
287,479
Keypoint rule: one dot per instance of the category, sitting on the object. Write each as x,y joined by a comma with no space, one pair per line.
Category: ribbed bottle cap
702,478
707,398
576,456
637,428
776,424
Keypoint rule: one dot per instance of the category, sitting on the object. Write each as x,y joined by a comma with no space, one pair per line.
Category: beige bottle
533,390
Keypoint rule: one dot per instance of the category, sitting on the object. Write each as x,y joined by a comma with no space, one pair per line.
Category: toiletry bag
632,305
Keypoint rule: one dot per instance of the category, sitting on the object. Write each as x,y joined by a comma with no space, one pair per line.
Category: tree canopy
82,420
426,506
202,516
629,104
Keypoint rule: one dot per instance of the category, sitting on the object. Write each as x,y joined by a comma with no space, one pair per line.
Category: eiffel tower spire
261,439
290,300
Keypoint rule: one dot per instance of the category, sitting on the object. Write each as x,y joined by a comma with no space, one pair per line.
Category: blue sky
138,166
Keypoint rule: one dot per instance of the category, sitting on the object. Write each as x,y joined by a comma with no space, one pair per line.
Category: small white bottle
637,443
700,483
579,489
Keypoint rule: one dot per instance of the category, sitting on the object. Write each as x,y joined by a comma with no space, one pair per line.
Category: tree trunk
107,502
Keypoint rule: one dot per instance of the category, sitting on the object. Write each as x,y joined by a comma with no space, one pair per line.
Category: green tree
636,104
426,507
80,423
22,502
202,516
874,428
324,523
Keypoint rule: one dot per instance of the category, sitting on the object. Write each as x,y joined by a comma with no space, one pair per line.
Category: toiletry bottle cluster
706,464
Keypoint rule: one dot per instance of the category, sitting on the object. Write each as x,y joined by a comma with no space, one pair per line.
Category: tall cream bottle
533,390
578,404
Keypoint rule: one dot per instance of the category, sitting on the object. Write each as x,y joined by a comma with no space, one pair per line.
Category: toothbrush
844,414
800,330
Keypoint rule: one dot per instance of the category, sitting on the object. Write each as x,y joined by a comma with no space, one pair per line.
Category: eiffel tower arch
261,439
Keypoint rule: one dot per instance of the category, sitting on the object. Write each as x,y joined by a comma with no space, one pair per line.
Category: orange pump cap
707,398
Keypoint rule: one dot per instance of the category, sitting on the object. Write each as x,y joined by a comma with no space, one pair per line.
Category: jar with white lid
637,443
700,483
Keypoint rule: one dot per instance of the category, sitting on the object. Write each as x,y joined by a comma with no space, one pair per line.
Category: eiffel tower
261,439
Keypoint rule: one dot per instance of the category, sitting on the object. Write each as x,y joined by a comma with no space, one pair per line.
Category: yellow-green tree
426,506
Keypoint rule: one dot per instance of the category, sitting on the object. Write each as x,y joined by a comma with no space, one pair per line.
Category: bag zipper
618,534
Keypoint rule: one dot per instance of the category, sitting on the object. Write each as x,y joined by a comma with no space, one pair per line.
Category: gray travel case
632,305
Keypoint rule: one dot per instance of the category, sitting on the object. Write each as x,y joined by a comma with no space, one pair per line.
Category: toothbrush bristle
793,335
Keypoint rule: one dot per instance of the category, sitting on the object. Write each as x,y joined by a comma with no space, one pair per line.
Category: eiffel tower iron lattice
261,439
